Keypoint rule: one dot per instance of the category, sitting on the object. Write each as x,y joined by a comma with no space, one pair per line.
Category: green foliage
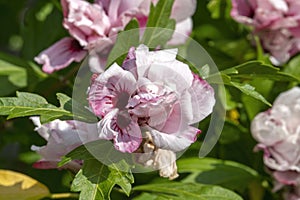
191,191
231,175
159,25
12,77
250,87
256,69
28,104
95,181
125,40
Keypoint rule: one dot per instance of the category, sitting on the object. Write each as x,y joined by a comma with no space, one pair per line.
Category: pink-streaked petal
105,126
287,177
120,127
182,31
285,155
129,135
129,63
110,90
279,5
202,99
75,166
45,164
60,55
86,22
174,142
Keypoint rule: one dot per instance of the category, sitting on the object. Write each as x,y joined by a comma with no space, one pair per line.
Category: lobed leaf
95,181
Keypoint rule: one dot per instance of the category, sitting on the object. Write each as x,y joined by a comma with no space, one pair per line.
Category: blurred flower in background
276,23
278,132
93,27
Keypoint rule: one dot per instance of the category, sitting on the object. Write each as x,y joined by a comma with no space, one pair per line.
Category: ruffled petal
63,137
60,55
202,99
129,136
242,11
174,142
110,90
175,75
268,130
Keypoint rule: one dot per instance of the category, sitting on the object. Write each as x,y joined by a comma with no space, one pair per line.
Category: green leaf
250,91
125,40
80,112
16,75
96,180
219,8
102,150
160,27
28,104
293,67
190,191
14,185
257,69
12,77
229,174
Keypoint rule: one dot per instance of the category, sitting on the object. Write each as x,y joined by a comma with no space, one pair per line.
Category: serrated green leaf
229,174
250,90
115,170
191,191
96,180
80,112
160,27
125,40
29,104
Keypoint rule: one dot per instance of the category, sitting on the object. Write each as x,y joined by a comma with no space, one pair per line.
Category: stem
64,195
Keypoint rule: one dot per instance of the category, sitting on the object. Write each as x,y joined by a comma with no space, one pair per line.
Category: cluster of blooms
147,106
276,22
93,27
278,132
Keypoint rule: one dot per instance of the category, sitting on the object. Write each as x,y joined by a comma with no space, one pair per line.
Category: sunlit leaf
14,185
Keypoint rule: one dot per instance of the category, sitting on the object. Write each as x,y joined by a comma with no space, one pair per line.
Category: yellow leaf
17,186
